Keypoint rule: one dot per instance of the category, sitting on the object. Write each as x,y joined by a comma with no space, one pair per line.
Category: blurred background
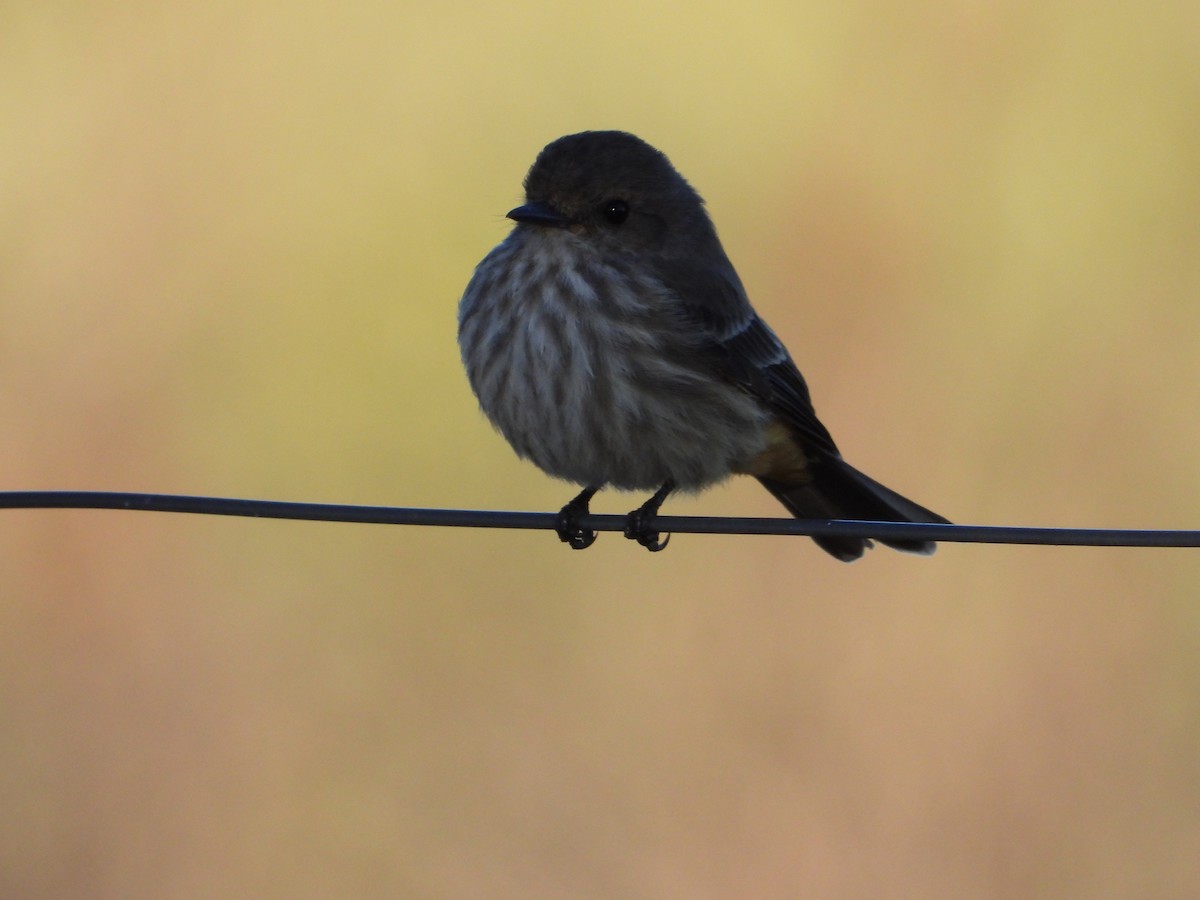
232,244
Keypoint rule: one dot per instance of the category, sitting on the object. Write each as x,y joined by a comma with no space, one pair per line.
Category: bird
609,339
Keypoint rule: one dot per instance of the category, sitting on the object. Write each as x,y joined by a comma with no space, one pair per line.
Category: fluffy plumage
610,341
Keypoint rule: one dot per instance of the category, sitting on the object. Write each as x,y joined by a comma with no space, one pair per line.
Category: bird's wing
756,348
746,349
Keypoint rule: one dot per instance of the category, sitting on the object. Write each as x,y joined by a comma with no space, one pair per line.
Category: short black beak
539,214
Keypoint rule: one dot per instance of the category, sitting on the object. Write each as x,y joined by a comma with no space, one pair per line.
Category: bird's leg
568,531
637,523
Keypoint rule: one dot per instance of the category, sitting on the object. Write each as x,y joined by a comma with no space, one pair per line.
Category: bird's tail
837,490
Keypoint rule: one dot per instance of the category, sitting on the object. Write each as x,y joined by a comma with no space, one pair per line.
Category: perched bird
610,340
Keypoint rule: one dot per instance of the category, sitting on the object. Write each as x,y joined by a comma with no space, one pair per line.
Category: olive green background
233,239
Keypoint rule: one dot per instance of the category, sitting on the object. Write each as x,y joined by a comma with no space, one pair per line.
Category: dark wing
756,350
745,348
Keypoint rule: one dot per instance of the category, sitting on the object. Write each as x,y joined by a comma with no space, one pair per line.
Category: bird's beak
539,214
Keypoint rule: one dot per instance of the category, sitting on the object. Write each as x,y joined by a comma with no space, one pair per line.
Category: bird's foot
569,531
637,528
639,523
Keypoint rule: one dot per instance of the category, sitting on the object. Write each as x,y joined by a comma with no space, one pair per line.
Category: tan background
233,239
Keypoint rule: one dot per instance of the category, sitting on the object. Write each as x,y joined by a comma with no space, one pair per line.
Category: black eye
616,211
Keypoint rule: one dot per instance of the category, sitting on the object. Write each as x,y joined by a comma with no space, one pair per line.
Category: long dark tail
839,491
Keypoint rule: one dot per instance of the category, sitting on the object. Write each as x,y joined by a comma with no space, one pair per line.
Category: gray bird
611,342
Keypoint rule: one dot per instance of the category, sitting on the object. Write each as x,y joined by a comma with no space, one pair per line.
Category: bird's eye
616,211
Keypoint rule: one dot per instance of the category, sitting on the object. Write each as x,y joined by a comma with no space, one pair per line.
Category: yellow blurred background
233,241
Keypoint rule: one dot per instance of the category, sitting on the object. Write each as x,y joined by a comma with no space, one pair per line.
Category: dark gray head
614,188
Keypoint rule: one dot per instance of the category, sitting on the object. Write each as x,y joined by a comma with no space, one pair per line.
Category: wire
480,518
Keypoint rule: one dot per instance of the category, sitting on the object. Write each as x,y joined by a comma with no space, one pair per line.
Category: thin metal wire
480,518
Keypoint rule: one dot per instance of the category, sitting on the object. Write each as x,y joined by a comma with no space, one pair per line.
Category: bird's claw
639,523
637,528
567,527
570,533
